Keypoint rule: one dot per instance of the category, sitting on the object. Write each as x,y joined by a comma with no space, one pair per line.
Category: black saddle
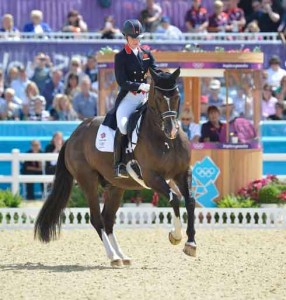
133,120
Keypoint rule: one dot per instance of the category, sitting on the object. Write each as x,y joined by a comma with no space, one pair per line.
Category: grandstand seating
55,11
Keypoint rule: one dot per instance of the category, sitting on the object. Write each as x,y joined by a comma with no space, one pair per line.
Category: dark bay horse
162,152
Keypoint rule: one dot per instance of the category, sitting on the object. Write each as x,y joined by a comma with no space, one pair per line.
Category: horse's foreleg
159,184
184,183
111,206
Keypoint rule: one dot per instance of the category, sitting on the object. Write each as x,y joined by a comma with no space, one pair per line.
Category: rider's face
133,42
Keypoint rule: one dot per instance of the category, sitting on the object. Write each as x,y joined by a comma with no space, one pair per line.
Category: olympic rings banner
23,52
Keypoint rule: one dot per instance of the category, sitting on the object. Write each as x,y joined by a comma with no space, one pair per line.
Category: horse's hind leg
111,206
88,181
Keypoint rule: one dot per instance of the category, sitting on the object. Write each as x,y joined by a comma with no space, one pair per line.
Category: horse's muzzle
170,128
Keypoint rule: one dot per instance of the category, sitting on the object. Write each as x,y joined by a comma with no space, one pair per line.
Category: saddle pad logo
103,135
205,174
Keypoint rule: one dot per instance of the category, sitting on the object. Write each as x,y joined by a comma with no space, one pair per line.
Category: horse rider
131,67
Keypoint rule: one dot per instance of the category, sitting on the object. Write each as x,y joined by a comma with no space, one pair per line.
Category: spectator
189,126
268,102
62,109
12,75
31,91
212,129
246,6
91,68
252,27
74,23
53,147
37,25
196,18
20,83
54,85
267,16
204,107
75,67
228,107
279,113
150,17
170,32
1,82
282,26
275,72
11,32
256,6
72,87
32,168
85,102
41,72
109,31
235,16
242,104
39,113
9,110
280,92
10,93
215,98
218,21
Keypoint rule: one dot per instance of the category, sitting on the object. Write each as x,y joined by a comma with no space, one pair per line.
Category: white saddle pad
104,140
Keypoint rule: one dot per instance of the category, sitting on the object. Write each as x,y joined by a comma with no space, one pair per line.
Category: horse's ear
153,74
176,74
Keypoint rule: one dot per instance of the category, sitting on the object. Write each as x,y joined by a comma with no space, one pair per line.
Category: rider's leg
125,109
120,143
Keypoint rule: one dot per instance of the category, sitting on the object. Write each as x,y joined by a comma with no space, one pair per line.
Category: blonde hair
37,13
9,17
187,113
34,86
57,101
254,26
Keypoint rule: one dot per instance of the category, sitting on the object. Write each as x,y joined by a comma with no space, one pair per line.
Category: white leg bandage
111,253
116,247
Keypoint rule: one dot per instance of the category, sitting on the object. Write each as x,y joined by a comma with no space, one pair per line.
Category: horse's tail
48,223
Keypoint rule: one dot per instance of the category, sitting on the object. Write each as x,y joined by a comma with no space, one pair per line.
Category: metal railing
15,157
154,38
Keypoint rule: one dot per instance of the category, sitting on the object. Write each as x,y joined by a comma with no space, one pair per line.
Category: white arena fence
146,216
15,157
155,38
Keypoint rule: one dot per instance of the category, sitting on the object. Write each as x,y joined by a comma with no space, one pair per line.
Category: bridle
169,113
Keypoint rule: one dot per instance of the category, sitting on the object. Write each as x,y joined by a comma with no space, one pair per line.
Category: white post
15,171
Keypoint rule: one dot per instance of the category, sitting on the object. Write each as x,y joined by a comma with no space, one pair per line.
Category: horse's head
166,100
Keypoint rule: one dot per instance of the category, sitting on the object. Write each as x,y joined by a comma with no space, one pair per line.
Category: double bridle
168,113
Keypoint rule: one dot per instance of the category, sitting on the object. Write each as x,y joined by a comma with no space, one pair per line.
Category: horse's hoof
116,263
127,262
172,240
190,250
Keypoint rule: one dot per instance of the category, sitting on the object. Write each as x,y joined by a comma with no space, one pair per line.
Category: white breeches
126,107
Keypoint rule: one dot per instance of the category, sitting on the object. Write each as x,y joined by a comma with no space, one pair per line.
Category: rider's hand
145,87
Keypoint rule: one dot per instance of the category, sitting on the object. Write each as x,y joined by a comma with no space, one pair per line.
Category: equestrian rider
131,67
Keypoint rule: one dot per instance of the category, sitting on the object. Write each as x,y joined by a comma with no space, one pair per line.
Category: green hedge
8,199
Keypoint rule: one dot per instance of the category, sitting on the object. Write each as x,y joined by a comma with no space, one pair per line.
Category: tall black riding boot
120,142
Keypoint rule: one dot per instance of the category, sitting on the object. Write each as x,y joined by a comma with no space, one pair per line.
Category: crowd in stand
45,93
226,16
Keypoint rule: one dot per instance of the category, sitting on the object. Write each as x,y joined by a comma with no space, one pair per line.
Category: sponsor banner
23,52
196,65
227,146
